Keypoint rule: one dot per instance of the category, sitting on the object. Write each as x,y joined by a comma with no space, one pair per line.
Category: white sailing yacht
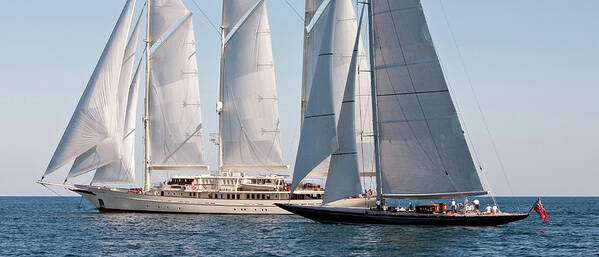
100,136
419,148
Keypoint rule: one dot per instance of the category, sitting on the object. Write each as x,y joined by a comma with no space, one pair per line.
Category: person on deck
488,209
496,209
378,204
476,205
410,207
453,205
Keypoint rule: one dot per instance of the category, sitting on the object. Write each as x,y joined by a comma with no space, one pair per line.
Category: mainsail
250,117
423,152
94,121
175,114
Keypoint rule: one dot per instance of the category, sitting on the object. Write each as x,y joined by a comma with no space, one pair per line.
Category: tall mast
375,126
147,103
219,105
304,64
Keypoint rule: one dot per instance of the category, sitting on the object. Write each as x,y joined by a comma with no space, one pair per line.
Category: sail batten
422,149
250,118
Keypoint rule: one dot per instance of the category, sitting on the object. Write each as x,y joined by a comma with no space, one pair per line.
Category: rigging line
294,10
465,126
502,167
51,190
207,19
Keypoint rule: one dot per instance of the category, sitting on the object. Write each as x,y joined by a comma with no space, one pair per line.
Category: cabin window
247,196
253,196
228,196
237,197
161,193
268,196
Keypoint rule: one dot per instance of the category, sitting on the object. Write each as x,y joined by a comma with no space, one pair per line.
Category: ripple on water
50,226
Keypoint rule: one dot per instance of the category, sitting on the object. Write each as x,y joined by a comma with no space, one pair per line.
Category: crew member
476,204
453,205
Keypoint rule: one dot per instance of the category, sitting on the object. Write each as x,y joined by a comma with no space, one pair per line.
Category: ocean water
67,226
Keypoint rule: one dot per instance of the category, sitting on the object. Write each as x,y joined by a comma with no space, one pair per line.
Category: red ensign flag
541,210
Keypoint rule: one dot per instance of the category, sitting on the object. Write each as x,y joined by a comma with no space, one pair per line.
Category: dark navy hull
335,215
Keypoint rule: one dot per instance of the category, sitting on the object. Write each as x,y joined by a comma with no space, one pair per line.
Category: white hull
108,200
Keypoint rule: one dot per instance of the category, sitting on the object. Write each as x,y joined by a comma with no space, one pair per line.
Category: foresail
250,116
343,179
318,138
233,11
346,21
94,119
422,147
110,151
164,15
123,170
175,114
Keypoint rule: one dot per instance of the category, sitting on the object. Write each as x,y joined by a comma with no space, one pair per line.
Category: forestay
422,148
175,117
95,118
250,116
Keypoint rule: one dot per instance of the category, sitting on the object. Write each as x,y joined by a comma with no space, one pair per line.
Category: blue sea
70,226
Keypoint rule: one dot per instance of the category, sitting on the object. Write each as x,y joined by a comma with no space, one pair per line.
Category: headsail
346,21
102,154
326,86
94,119
343,179
123,170
176,122
423,152
250,116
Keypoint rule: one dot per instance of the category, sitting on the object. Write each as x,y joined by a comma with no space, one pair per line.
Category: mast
304,64
219,104
147,104
375,128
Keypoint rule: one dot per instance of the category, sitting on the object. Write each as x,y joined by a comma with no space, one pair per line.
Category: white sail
123,170
346,21
164,15
343,179
363,115
311,7
325,89
423,152
104,153
233,11
250,116
175,114
94,119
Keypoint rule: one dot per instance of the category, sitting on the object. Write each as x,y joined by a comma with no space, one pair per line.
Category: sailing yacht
419,147
100,136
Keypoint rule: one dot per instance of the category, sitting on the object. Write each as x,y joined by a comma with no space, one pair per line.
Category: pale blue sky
533,65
